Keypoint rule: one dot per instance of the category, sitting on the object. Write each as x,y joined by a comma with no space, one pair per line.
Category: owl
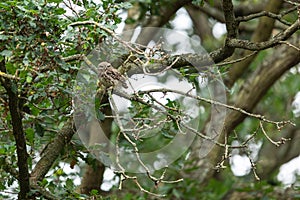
109,76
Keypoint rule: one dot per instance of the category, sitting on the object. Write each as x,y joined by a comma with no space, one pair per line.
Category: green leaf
94,192
39,129
28,79
59,11
166,134
34,110
59,172
69,184
4,37
44,182
30,135
32,24
2,151
126,5
100,115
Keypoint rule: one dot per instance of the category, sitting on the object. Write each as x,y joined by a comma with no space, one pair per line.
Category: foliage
34,37
42,44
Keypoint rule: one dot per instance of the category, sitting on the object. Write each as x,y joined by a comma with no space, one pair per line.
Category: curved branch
239,10
264,13
52,151
261,80
255,46
270,164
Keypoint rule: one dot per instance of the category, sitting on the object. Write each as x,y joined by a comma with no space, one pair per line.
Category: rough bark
52,151
93,175
18,132
92,178
262,33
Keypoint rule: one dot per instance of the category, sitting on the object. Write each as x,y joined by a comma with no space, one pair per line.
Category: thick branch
166,12
231,25
201,23
93,175
262,33
52,151
16,120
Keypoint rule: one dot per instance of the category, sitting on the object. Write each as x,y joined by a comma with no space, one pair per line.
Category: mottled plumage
109,76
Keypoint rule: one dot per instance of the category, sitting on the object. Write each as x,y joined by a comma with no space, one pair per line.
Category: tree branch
231,24
260,82
166,12
255,46
52,151
18,132
250,94
262,33
270,164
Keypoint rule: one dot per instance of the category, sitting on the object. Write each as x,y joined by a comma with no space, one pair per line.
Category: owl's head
102,67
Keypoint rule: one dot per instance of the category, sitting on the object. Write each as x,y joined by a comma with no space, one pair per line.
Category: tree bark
52,151
262,33
18,132
93,176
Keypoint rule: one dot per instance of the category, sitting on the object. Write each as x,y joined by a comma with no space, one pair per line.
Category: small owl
109,76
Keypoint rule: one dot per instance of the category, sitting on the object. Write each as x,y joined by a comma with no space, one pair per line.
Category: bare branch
278,143
290,45
217,103
255,46
237,60
264,13
9,76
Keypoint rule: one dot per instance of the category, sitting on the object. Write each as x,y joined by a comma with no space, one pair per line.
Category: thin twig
146,191
9,76
290,45
237,60
133,144
278,143
124,43
213,102
162,71
253,167
264,13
